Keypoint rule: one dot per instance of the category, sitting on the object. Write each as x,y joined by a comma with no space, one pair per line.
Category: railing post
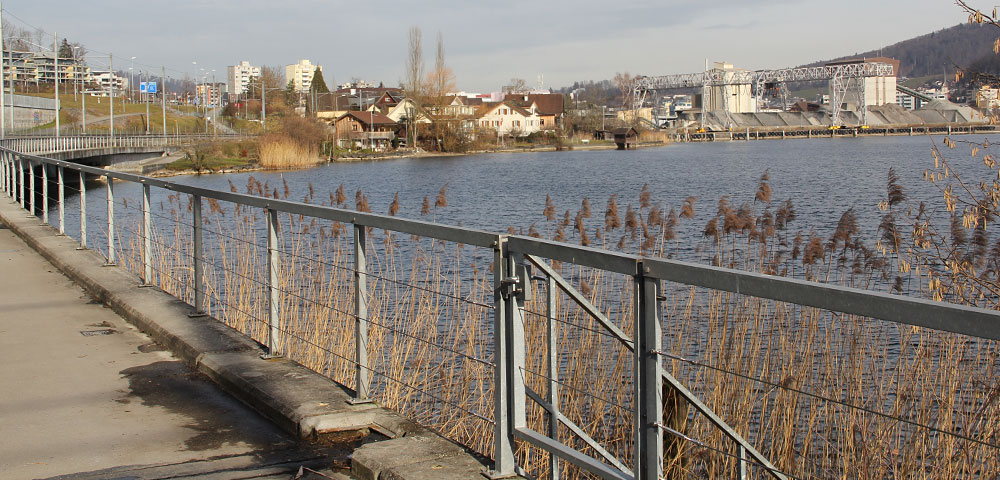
62,202
83,210
199,281
111,220
648,380
31,186
503,435
6,173
744,466
20,174
272,283
45,193
147,239
361,296
551,335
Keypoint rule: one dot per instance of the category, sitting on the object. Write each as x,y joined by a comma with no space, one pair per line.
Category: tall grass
277,152
820,394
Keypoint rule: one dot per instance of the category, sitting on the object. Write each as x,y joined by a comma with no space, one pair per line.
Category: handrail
513,255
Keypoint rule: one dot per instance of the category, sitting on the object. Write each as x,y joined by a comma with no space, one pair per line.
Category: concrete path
86,395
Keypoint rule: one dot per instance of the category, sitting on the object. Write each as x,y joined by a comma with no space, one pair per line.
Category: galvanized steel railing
52,144
515,257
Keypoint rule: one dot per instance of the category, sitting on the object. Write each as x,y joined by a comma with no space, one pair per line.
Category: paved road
85,395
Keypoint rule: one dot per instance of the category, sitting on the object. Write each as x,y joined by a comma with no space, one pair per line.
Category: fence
577,331
50,144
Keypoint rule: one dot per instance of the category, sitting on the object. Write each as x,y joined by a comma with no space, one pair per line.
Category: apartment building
241,76
300,75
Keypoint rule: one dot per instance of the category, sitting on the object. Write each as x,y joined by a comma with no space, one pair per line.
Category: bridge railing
578,331
53,144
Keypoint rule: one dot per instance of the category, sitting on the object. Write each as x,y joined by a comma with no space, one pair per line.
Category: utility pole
111,94
10,58
55,56
215,105
263,100
163,97
147,103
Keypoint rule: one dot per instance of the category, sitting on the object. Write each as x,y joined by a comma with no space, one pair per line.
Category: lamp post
130,80
111,94
82,85
215,104
147,103
55,72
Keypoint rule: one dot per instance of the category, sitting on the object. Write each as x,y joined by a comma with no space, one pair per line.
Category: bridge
302,285
99,148
844,77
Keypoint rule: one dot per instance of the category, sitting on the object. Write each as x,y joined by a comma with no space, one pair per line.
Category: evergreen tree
65,49
318,84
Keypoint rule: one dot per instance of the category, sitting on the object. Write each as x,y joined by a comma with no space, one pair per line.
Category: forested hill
961,45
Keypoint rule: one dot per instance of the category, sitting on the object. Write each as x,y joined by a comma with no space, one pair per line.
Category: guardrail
515,261
52,144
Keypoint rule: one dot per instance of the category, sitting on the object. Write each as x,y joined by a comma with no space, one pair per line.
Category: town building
730,97
210,94
509,119
370,129
549,107
107,83
241,77
988,98
300,75
879,90
38,67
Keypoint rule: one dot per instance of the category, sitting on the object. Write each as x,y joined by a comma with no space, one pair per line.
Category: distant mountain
962,45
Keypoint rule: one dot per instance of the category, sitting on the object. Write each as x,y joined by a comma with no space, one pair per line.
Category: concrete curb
300,401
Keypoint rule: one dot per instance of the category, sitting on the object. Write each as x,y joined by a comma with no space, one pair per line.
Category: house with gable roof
368,129
549,106
509,119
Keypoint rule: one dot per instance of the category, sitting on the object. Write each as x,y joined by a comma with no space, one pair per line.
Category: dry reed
822,395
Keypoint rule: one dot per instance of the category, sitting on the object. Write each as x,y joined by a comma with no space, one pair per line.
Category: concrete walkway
86,395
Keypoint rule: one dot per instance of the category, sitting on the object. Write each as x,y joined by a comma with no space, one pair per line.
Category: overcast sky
486,43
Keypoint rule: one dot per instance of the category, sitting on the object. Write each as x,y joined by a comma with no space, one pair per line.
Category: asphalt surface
85,395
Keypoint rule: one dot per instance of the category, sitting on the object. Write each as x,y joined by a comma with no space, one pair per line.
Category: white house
406,107
509,119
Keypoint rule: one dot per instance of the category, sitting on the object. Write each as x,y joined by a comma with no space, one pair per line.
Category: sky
549,43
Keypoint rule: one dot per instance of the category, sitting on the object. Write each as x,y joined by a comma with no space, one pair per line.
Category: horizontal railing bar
585,256
421,228
949,317
585,462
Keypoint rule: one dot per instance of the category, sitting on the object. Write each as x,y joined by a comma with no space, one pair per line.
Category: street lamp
80,86
130,80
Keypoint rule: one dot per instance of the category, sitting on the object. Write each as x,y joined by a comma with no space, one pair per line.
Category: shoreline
165,173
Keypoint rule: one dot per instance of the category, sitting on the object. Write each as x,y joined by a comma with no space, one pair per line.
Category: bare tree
414,81
517,85
626,84
16,38
441,80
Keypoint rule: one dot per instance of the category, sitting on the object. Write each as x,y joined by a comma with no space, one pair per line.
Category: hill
962,45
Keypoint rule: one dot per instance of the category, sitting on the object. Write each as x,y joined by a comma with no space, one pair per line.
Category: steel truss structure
844,79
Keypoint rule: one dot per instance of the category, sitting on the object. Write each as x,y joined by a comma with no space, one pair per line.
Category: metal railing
515,258
53,144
